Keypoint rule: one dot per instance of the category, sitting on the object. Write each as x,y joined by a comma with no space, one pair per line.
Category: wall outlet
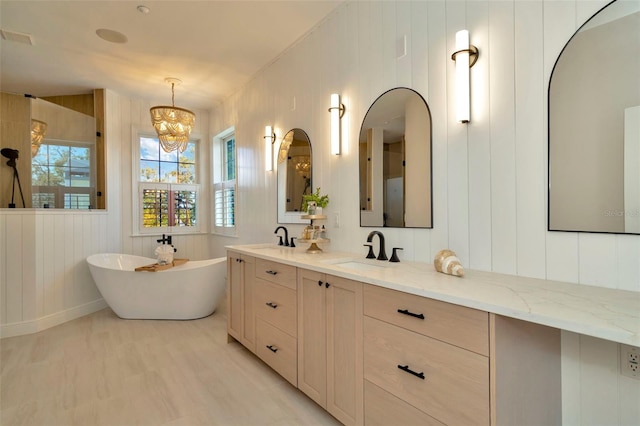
630,361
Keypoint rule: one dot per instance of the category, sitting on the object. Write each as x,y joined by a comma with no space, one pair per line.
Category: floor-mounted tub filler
189,291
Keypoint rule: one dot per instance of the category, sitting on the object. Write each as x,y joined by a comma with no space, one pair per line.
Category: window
224,183
168,190
62,175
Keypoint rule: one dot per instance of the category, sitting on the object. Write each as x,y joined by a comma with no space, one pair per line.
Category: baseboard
42,323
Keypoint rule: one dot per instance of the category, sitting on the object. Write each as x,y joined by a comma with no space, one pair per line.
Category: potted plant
311,202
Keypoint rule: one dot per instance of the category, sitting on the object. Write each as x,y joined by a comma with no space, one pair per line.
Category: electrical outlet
630,361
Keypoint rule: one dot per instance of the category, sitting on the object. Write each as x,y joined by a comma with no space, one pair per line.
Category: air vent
17,37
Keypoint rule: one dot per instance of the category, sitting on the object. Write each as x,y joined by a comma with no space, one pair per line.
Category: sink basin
359,265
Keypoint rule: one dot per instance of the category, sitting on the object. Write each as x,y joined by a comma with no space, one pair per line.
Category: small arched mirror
395,162
294,175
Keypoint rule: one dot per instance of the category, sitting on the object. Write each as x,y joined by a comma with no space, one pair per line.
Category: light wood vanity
403,344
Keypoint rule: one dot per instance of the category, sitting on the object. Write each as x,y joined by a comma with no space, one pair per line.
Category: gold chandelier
173,124
38,130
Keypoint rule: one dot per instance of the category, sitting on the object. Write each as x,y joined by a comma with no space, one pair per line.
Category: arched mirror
294,175
594,126
395,162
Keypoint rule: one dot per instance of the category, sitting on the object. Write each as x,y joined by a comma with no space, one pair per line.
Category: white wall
489,177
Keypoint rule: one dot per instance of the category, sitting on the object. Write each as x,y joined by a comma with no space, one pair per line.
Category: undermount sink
359,265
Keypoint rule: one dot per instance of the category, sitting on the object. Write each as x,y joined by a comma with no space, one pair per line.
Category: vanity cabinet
432,362
240,285
330,344
275,308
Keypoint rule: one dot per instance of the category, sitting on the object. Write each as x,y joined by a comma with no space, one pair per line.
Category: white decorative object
164,254
447,262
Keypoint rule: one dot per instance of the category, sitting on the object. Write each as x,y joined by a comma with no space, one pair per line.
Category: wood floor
102,370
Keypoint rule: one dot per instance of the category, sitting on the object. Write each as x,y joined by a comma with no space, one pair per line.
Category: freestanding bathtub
189,291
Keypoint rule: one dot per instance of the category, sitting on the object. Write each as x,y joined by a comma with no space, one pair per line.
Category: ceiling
214,47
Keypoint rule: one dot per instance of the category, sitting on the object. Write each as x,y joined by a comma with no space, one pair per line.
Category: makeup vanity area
380,343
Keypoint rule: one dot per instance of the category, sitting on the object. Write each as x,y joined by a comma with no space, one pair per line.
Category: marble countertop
605,313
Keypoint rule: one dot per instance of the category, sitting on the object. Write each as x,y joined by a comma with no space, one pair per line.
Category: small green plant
320,200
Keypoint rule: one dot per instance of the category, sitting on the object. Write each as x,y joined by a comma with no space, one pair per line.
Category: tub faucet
381,254
165,239
286,236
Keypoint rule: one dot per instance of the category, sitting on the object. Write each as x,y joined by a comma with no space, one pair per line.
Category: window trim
137,216
217,182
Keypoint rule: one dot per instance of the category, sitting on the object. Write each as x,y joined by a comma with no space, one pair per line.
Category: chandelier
302,165
173,124
38,130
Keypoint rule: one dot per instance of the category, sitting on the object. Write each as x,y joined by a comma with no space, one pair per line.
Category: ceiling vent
17,37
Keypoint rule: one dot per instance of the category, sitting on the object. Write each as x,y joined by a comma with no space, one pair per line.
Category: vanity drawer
458,325
383,409
276,305
278,350
449,383
275,272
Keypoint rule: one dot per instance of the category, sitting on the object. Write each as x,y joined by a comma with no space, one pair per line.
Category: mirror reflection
594,126
63,151
395,162
294,175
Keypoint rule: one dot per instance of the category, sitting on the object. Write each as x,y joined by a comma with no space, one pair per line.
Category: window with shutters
224,183
168,190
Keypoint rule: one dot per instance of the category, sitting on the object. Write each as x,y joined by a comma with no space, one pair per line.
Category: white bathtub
189,291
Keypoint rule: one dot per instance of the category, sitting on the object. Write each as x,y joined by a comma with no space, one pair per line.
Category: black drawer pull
411,314
271,272
271,305
274,349
327,285
408,370
320,283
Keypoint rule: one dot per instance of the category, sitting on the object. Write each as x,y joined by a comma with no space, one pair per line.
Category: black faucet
381,254
286,236
165,240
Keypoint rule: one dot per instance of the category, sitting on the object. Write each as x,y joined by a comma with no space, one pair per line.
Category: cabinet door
234,296
345,350
240,284
312,335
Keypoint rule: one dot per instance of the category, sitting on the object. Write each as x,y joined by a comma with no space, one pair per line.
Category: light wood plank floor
102,370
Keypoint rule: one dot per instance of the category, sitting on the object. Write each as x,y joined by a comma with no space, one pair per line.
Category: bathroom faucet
286,236
381,254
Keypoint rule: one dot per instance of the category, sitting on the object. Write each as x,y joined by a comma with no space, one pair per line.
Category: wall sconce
337,111
465,57
269,140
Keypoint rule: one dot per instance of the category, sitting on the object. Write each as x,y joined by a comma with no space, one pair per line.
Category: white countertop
593,311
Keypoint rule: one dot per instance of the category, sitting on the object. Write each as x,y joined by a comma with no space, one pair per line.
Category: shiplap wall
490,176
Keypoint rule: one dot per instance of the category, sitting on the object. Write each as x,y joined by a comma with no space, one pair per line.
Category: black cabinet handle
271,305
271,272
239,260
411,314
327,285
320,283
272,348
410,371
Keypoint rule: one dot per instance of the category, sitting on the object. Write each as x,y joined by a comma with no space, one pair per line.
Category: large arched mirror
294,175
594,126
395,162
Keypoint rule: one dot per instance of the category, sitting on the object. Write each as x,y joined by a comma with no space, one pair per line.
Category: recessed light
111,36
143,9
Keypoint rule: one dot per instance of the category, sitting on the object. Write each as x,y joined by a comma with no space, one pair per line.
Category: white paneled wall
490,176
44,278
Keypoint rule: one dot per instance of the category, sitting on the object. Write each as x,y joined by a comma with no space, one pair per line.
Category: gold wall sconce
465,57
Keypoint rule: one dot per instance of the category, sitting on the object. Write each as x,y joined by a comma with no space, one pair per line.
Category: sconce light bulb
462,76
268,148
335,124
